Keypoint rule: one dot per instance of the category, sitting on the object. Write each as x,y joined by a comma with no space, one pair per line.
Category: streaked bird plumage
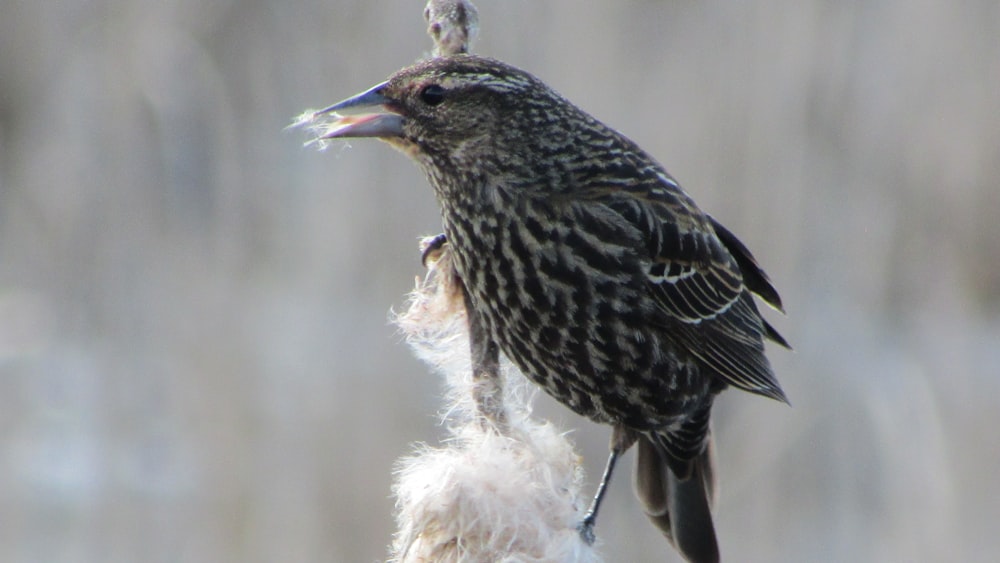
593,271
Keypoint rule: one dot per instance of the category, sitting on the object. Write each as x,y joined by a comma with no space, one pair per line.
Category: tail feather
680,508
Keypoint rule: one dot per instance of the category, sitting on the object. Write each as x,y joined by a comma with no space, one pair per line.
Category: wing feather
701,277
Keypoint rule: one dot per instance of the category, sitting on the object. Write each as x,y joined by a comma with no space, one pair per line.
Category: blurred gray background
195,357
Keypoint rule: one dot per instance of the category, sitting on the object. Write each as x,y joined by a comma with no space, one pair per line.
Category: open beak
363,125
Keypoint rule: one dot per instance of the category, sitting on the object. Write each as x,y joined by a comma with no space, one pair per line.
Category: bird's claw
586,529
432,248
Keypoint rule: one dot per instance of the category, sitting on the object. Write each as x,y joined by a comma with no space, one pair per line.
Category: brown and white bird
589,266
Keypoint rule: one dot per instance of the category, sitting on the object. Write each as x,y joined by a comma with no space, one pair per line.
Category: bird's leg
433,248
621,440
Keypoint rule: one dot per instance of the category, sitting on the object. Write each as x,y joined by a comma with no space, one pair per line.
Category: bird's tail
678,495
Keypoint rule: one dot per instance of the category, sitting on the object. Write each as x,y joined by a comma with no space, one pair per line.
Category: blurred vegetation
195,361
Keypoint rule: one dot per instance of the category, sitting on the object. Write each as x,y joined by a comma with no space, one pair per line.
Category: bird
589,267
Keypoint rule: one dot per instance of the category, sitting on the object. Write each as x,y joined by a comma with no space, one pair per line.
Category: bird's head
464,113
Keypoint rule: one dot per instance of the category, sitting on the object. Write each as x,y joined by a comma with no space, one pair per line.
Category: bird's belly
586,337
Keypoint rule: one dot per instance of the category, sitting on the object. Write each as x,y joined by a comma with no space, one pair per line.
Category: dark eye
432,95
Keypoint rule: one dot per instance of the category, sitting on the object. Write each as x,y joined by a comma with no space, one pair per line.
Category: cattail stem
508,491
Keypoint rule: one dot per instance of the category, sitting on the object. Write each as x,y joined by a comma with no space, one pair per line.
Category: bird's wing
697,284
754,277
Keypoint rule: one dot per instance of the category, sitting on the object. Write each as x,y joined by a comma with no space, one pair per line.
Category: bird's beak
365,125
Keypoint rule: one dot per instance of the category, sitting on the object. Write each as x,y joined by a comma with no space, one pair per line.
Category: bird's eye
432,95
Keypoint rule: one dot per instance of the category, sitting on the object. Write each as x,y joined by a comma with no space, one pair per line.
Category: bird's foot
586,528
432,248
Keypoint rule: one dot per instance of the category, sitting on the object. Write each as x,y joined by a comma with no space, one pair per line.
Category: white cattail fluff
505,492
